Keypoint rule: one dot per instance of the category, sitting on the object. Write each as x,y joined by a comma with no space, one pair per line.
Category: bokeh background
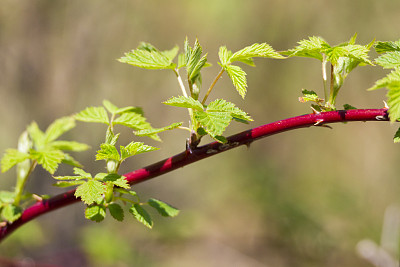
301,198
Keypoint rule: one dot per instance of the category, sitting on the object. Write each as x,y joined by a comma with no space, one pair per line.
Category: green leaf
49,159
117,180
184,102
68,159
82,173
195,72
135,121
107,152
146,59
309,48
90,191
96,213
6,197
254,50
135,148
163,208
310,96
396,138
389,60
215,122
57,128
171,54
382,47
68,145
68,183
224,55
157,130
110,106
93,114
11,213
141,215
238,77
11,158
116,211
36,135
394,103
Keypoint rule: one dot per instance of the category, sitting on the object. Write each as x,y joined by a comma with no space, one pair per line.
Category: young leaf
255,50
11,158
157,130
96,213
93,114
146,59
389,60
90,191
57,128
184,102
135,148
309,48
141,215
11,213
107,152
49,159
348,107
382,47
116,211
110,106
82,173
6,197
214,121
117,180
68,145
163,208
224,55
310,96
135,121
394,103
36,135
391,80
238,77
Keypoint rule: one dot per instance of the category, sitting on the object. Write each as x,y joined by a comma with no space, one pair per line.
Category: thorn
37,197
386,105
315,111
319,121
248,145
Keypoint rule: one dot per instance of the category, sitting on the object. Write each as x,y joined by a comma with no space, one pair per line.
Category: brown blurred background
302,198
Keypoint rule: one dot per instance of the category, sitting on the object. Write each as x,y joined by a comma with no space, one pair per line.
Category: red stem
187,157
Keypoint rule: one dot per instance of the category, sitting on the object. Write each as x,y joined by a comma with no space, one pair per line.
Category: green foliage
141,215
163,208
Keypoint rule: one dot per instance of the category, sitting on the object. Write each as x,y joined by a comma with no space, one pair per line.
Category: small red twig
187,157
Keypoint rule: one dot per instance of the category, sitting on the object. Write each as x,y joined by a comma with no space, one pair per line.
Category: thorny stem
185,158
212,85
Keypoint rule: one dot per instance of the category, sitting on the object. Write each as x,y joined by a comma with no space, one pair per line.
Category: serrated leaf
224,55
80,172
116,211
348,107
93,114
49,159
396,138
214,122
68,145
238,77
382,47
57,128
389,60
184,102
36,135
163,208
310,96
96,213
135,148
255,50
194,57
12,157
68,159
107,152
171,54
309,48
157,130
394,103
181,61
67,183
11,212
110,106
135,121
117,180
90,191
195,71
141,215
153,59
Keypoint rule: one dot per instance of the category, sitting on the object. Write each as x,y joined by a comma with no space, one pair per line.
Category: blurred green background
301,198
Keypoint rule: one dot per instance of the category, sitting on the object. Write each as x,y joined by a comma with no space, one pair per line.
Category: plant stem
181,85
212,85
19,187
202,152
324,76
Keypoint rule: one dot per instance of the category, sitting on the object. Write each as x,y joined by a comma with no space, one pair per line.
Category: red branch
205,151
